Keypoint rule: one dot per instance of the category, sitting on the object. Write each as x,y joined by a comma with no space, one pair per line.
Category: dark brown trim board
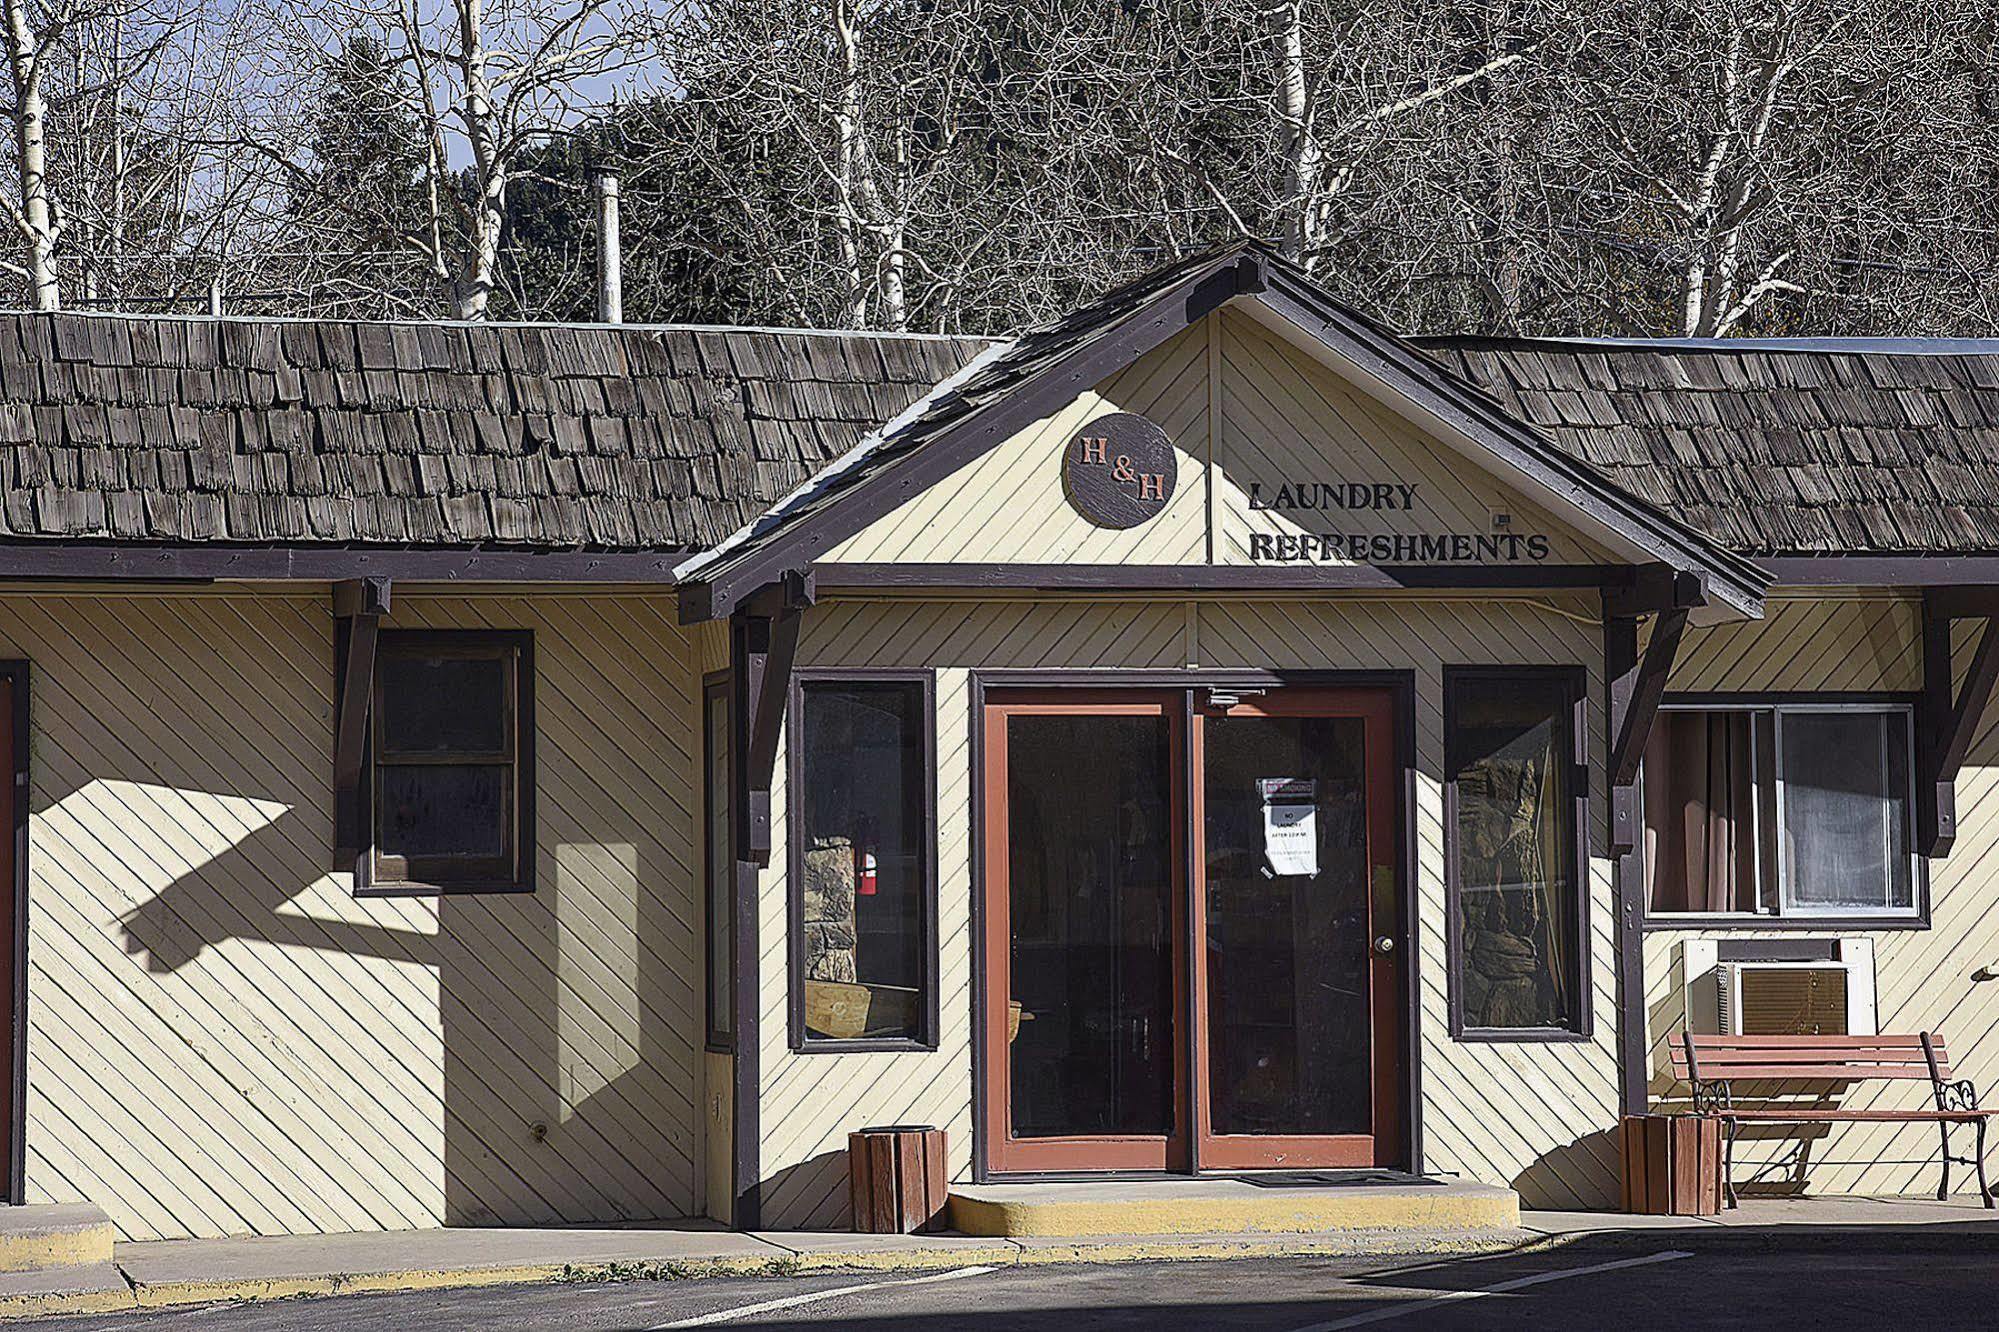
1620,667
15,1139
1575,683
1864,569
928,1034
715,685
747,659
90,561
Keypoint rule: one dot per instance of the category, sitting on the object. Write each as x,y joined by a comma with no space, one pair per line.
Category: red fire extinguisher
867,876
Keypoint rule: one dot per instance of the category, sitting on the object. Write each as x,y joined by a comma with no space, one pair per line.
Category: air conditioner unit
1790,999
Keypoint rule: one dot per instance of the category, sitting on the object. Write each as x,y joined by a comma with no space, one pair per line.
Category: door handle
1383,945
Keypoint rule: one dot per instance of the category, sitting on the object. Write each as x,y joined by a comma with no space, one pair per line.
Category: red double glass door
1191,931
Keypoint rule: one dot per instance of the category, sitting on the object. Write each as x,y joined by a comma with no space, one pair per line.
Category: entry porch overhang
1005,390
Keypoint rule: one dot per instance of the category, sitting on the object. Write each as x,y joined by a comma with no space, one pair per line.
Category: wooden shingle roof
261,432
1833,446
534,436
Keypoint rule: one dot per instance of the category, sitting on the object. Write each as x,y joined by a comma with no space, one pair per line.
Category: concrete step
45,1235
1235,1206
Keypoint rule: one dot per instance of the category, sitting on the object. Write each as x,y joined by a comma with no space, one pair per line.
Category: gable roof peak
1022,380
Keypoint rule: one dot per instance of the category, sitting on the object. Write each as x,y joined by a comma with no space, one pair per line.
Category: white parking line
1481,1292
793,1301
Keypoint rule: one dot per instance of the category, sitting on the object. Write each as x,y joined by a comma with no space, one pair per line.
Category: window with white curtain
1781,809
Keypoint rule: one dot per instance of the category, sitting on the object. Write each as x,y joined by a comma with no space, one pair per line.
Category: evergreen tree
365,191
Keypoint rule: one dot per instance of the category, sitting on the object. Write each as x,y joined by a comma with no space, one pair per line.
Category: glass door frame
1003,1152
1182,696
1375,708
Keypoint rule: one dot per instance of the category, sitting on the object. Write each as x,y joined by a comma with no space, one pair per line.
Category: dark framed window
449,785
1516,802
1782,810
718,862
863,861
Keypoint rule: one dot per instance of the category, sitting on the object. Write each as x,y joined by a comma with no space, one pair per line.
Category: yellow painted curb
169,1294
1486,1209
65,1302
180,1294
1085,1250
904,1260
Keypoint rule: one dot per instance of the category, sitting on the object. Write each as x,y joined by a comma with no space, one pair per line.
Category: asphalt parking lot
1584,1286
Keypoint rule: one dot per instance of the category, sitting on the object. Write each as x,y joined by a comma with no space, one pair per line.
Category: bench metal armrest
1960,1095
1712,1098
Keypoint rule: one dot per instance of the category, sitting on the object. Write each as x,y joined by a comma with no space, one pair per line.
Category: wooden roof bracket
1637,679
358,607
763,643
1947,720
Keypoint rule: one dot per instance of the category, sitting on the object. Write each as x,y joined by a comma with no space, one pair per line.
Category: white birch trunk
1298,146
474,282
35,214
848,153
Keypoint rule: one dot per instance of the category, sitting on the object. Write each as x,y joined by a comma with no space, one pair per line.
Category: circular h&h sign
1119,470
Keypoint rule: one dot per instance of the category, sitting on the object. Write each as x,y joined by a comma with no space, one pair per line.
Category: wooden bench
1712,1064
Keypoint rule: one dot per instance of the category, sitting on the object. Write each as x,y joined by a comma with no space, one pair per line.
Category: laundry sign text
1396,547
1300,499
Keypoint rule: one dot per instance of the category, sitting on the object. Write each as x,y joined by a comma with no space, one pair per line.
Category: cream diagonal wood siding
1924,979
1537,1116
1287,418
223,1041
1010,506
1836,643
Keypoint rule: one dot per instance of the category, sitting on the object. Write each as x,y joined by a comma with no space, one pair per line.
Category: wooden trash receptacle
1672,1165
896,1179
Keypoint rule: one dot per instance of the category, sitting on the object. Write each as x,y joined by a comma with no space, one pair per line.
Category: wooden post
1947,719
1620,657
358,607
610,262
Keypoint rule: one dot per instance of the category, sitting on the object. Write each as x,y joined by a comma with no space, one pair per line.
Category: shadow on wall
532,1093
811,1195
1582,1176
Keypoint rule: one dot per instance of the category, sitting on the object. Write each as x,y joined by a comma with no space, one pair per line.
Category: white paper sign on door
1290,824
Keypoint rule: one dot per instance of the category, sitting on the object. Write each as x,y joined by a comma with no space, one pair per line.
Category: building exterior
506,775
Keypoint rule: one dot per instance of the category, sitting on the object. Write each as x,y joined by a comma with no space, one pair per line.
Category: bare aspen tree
484,81
113,103
1778,156
1712,167
1336,90
1713,154
33,207
854,111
